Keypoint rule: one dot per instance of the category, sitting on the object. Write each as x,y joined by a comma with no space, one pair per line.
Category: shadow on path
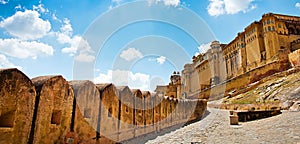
155,134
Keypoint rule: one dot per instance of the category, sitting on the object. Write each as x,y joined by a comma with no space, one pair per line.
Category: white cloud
67,27
174,3
125,78
54,17
297,5
161,60
40,8
4,2
85,57
79,48
18,6
131,54
5,63
203,48
24,49
216,7
77,45
220,7
26,25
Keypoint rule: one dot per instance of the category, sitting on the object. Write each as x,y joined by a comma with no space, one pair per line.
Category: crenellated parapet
49,109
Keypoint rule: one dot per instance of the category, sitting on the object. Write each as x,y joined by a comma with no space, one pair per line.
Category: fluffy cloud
174,3
24,49
54,17
203,48
5,63
79,48
26,25
220,7
297,5
161,60
84,57
77,45
122,78
40,8
67,27
131,54
171,2
3,2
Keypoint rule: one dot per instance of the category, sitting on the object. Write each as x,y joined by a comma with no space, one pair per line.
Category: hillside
278,90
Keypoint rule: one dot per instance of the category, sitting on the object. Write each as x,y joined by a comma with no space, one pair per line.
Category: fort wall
49,109
17,100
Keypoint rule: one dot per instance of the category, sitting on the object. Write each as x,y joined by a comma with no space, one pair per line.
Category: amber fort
263,48
50,109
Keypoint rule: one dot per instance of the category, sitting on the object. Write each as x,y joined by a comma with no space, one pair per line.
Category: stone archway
292,29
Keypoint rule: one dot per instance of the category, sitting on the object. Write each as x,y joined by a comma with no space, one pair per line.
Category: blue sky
127,42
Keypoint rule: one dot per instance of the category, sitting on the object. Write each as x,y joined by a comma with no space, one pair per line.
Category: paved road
215,128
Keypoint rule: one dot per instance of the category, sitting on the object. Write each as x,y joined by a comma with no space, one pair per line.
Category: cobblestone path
215,128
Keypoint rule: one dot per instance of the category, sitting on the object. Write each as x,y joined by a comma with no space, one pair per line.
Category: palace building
262,43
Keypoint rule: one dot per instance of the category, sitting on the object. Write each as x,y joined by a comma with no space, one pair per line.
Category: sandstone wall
49,109
139,112
157,112
246,107
126,128
53,109
148,112
17,98
242,81
109,112
86,110
294,58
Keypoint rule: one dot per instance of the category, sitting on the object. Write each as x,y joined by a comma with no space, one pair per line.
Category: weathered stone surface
294,58
109,122
82,112
139,114
17,97
86,110
126,128
164,113
157,112
53,110
148,112
234,120
200,108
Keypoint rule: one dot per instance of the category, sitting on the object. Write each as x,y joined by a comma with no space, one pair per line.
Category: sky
138,43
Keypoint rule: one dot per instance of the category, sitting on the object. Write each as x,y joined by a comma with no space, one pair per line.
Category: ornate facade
263,42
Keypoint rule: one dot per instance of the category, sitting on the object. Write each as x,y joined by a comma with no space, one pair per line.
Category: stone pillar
157,112
126,127
17,98
86,110
148,112
53,110
109,113
139,115
164,113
